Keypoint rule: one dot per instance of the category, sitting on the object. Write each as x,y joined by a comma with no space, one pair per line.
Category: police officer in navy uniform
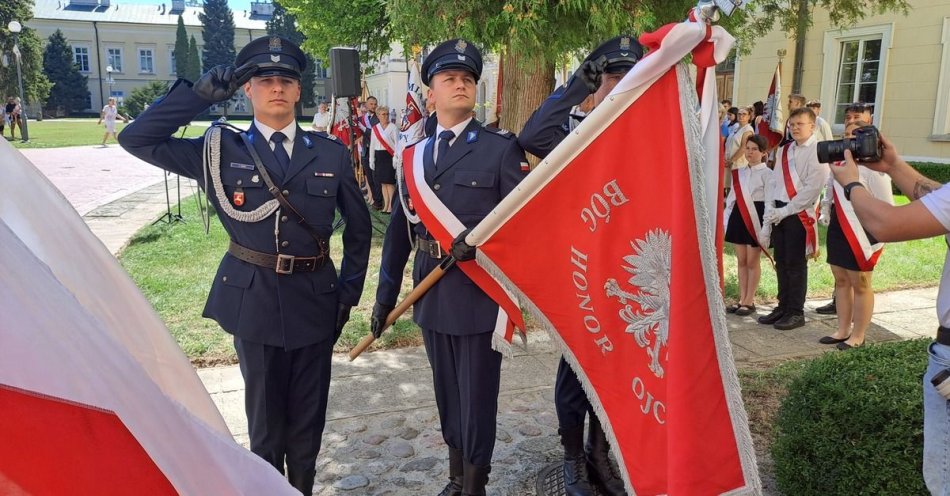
276,290
470,169
547,127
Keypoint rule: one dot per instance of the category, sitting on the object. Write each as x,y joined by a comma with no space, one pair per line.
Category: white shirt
290,132
392,135
457,129
321,121
812,174
938,203
109,112
877,183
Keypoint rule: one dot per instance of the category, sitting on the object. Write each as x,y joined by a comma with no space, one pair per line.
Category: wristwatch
848,187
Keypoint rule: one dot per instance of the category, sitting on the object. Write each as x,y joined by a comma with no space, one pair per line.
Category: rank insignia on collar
461,46
471,137
275,45
306,141
625,43
275,58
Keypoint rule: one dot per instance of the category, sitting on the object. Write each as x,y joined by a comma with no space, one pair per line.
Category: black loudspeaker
345,64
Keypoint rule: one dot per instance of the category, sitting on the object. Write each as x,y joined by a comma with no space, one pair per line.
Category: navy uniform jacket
479,169
249,301
548,125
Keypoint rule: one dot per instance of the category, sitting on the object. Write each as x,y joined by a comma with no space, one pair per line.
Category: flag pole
404,305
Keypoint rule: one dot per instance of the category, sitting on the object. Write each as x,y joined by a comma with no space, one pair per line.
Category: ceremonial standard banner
772,125
95,396
610,244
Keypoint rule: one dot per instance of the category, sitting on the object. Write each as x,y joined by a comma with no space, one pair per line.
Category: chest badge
255,178
238,198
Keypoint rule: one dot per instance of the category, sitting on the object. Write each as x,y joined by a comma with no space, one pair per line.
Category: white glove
825,217
776,215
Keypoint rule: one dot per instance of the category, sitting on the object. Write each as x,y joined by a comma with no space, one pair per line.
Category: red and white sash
746,207
809,216
865,253
380,134
445,226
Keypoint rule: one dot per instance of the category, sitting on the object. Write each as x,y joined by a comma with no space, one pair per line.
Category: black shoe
845,346
456,470
475,479
576,480
789,322
833,340
772,317
829,309
599,467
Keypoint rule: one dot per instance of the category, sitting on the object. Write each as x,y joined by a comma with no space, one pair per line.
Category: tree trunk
525,85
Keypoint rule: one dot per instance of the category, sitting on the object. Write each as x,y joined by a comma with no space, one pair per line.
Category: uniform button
325,191
240,182
285,192
474,183
283,218
284,243
224,279
436,187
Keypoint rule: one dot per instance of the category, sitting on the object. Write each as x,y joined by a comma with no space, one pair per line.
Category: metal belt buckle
285,264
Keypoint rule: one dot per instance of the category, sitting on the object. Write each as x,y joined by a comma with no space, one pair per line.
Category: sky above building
234,4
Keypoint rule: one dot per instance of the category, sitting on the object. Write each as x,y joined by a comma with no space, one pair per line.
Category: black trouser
371,181
466,373
788,238
570,400
286,403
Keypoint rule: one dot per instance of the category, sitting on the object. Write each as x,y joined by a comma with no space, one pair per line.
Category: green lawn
174,265
55,133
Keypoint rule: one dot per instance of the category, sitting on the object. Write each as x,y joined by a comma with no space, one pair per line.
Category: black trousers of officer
286,403
466,372
788,238
570,399
371,181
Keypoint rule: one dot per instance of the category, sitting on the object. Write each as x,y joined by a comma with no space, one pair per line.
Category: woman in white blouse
382,148
743,216
852,254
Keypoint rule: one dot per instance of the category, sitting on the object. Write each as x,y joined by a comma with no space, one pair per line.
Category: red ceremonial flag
95,396
772,125
622,269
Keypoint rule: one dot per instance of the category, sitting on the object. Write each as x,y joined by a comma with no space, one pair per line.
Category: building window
173,65
941,129
118,95
114,58
854,70
146,61
81,57
859,74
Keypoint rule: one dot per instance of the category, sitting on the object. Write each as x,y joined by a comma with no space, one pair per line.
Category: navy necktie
283,160
444,138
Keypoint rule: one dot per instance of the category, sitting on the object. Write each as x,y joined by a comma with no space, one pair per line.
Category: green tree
217,33
284,24
194,61
35,83
139,97
357,23
70,88
181,50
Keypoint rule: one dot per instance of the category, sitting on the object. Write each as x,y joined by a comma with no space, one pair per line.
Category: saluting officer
470,169
276,289
546,128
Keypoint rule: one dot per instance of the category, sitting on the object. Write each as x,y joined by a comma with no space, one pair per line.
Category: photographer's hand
889,157
847,172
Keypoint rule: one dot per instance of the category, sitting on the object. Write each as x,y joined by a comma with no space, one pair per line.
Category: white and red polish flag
610,243
772,126
95,396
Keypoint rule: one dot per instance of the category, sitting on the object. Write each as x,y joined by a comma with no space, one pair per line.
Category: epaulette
504,133
327,136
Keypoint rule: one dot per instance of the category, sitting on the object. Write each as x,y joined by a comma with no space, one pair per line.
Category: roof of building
158,13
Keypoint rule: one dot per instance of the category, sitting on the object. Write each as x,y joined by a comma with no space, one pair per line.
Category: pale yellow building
138,41
899,63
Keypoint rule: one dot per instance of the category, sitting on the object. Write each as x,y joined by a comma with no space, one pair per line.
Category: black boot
454,487
474,479
576,482
601,469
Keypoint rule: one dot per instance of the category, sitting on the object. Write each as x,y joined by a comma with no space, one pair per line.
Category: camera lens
832,151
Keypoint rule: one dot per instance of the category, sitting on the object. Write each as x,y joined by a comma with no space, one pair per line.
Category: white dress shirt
290,132
457,129
812,174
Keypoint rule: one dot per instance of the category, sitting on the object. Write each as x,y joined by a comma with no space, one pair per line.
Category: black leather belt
943,336
282,264
430,247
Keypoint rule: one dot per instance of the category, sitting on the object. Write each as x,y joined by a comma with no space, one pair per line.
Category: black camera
865,147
